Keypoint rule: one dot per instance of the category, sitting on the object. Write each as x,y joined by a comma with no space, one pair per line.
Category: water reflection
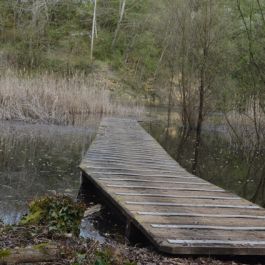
39,159
217,160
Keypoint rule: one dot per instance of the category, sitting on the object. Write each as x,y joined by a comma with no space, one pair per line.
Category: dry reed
59,100
247,129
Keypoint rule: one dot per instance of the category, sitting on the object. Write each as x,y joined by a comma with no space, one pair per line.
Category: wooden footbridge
177,211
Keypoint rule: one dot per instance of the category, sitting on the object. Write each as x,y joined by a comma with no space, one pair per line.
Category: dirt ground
76,251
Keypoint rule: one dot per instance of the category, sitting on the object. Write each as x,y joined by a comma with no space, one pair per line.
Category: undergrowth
60,213
109,256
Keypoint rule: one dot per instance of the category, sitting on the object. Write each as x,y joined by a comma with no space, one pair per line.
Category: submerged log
39,253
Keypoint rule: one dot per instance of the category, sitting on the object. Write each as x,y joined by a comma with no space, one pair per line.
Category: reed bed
247,129
59,100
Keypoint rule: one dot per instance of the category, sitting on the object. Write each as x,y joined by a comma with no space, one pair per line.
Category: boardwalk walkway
177,211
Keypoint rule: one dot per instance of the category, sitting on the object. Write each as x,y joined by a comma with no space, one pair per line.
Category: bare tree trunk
160,60
122,10
206,26
261,12
169,106
199,122
184,112
93,30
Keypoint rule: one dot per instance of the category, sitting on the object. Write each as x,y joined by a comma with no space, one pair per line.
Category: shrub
60,213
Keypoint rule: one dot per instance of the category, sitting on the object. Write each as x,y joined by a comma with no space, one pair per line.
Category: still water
43,159
37,160
220,162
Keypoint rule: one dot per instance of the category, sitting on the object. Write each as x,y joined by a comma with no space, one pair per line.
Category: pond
39,159
43,159
219,161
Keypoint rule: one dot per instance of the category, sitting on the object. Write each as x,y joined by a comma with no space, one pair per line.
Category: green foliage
248,73
60,213
80,259
57,38
104,257
109,257
41,247
153,38
4,253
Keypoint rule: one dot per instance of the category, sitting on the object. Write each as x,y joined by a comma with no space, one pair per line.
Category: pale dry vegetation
247,129
59,100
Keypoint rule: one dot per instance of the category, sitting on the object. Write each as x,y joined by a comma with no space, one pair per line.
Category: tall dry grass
247,129
60,100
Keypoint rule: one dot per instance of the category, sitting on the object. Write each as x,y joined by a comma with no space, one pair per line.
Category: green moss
4,253
32,218
108,257
60,213
42,247
103,257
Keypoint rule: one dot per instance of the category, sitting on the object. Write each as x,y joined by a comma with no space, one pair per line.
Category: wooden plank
154,181
181,191
217,242
210,227
177,211
203,234
161,188
208,219
200,210
120,160
177,196
202,215
162,202
133,174
194,205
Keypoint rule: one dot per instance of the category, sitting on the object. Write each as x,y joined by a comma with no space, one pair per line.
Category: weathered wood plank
179,212
194,214
177,196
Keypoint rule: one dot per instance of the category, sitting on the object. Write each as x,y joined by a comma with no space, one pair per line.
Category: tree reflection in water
218,160
39,159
